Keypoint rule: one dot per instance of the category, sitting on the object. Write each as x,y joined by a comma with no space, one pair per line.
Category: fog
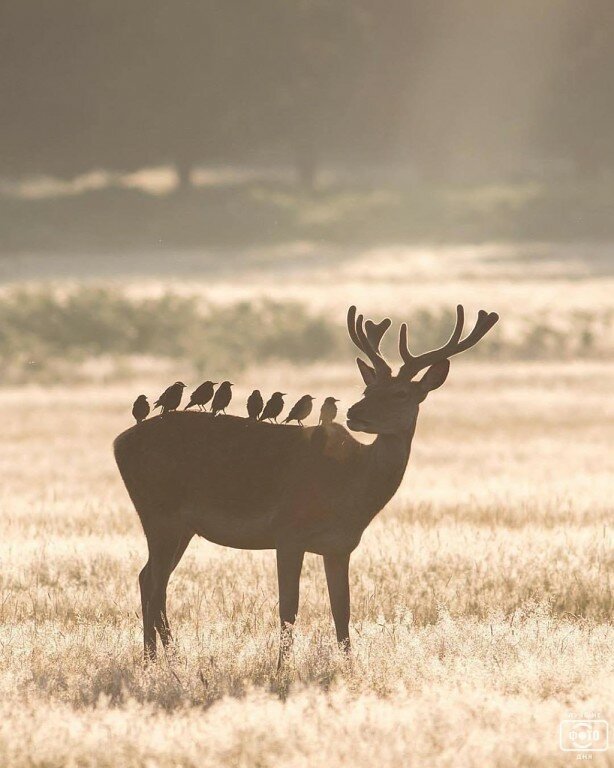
302,97
214,157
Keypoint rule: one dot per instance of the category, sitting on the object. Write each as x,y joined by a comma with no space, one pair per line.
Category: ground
481,594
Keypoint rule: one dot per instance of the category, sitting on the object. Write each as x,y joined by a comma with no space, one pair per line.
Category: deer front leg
289,565
337,578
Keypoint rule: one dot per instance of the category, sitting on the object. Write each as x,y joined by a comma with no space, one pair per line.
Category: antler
376,331
368,340
412,364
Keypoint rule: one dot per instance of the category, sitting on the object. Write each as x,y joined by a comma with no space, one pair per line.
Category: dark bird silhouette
328,411
254,404
300,410
140,408
222,398
201,395
170,399
274,407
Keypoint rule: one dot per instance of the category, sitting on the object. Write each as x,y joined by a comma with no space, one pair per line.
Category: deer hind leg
161,619
166,547
337,578
289,565
149,632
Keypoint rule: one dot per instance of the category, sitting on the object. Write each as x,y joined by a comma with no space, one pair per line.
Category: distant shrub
39,325
46,329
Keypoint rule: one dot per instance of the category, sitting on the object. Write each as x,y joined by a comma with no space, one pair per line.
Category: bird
254,405
170,399
140,408
300,410
328,411
222,398
201,395
274,407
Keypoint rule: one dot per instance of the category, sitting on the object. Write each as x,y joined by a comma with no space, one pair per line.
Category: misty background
252,168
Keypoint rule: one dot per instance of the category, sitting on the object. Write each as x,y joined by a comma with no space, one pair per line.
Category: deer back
243,467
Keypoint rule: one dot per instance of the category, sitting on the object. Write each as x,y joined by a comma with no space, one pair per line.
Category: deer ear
435,376
367,373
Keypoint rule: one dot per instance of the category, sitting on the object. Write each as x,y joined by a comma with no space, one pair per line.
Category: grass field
481,596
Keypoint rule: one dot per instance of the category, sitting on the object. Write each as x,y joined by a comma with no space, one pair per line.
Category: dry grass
481,596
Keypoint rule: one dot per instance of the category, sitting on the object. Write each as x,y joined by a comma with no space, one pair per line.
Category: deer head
390,403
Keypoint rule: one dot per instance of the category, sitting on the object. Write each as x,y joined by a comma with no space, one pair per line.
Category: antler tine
376,331
483,324
352,326
413,364
365,341
382,369
458,328
406,355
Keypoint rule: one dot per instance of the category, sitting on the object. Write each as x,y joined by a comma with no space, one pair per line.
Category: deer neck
387,460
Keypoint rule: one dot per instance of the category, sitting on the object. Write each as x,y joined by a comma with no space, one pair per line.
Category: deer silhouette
281,487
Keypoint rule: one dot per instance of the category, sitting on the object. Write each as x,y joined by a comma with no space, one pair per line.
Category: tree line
469,85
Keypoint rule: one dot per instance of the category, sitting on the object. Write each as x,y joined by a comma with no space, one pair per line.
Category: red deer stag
254,485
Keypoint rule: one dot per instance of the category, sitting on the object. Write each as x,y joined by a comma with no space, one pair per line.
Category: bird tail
189,405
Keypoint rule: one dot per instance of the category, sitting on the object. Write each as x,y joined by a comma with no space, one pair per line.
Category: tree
578,123
116,85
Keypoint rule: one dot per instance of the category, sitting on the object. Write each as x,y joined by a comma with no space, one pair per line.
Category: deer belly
240,531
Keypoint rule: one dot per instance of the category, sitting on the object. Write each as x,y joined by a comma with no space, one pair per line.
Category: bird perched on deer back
328,411
170,399
254,404
140,408
222,398
274,407
300,410
202,395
